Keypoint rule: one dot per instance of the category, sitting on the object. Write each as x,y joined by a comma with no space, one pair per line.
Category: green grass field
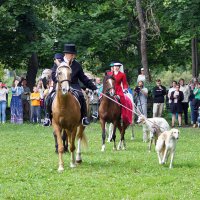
28,167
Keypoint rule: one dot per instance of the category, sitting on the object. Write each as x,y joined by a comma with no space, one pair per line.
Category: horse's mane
106,77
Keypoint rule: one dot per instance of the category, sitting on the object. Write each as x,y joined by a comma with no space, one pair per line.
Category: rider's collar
66,60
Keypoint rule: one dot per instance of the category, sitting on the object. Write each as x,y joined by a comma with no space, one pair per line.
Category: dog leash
146,119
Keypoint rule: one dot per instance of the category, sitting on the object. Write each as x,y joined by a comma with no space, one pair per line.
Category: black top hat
70,48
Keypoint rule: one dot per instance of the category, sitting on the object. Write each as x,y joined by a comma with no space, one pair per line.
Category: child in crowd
35,106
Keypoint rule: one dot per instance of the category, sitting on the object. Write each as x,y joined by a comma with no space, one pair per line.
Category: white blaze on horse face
112,90
64,79
65,84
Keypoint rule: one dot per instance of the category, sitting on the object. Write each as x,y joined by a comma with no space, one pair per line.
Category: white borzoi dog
166,144
154,126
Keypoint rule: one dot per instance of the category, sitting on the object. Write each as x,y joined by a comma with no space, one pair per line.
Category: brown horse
67,116
110,111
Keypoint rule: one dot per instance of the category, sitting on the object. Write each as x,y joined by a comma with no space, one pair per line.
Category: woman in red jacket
121,87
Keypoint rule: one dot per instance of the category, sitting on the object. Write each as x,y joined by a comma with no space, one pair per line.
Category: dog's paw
162,163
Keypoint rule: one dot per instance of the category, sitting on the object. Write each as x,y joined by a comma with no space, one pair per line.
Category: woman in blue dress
16,103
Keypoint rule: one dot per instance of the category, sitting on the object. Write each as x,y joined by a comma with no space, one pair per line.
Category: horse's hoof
119,148
72,165
132,138
103,148
114,148
61,169
124,148
78,161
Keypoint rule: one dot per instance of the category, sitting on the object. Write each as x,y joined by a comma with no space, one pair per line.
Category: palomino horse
67,116
110,111
46,78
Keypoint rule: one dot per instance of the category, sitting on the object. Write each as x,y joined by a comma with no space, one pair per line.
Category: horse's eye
59,73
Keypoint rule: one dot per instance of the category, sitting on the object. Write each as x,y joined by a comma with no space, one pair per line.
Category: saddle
74,93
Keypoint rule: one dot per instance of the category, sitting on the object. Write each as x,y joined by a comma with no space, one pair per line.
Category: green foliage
167,77
1,71
28,167
102,30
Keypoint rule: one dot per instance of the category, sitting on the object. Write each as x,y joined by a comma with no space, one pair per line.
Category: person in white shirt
185,103
173,88
3,102
141,77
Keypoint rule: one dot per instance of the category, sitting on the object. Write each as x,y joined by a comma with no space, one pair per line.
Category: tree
182,19
143,45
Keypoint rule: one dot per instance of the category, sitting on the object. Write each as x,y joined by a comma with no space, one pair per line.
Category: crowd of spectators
181,97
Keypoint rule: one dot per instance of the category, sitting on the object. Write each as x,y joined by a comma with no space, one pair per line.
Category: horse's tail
82,136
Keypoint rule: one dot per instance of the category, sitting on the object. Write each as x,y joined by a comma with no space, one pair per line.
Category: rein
64,81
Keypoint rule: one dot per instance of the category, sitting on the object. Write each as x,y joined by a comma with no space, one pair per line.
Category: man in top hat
77,74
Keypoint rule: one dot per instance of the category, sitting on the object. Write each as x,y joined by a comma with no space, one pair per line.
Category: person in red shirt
121,88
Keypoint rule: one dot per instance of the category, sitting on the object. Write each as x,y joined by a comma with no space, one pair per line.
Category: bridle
108,89
57,73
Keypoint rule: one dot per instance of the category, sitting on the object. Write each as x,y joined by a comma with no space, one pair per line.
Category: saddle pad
74,93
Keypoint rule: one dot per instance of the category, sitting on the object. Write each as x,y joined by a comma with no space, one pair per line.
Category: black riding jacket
77,74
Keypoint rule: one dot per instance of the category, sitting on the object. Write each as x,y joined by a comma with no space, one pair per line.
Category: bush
167,77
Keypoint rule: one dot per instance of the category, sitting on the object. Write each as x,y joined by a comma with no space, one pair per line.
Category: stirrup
85,121
95,115
47,122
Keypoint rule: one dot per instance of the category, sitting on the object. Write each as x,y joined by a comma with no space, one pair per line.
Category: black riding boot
48,110
84,118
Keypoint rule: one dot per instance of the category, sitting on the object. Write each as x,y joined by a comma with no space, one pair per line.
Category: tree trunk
143,44
195,57
32,71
